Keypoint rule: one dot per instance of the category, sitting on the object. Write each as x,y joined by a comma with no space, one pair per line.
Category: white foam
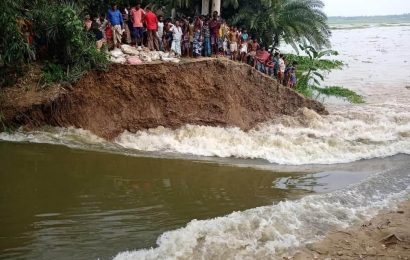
349,134
71,137
359,132
274,231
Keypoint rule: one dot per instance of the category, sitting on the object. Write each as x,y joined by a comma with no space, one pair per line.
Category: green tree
311,69
293,21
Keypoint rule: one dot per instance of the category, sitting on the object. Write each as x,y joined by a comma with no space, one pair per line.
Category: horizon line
378,15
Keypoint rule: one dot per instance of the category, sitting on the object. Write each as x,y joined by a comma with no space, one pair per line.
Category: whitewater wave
70,137
360,132
272,232
347,135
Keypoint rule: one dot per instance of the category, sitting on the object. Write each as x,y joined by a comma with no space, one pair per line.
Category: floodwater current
217,193
59,203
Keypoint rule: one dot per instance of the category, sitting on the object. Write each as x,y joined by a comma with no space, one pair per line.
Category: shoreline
385,236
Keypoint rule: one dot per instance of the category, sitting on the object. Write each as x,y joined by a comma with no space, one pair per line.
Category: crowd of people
199,36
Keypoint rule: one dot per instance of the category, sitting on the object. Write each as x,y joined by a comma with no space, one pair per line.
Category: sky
366,7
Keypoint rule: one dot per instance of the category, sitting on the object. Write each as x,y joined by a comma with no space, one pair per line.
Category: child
185,38
197,44
282,67
160,32
206,34
191,29
243,50
244,36
99,37
176,38
293,80
225,46
87,22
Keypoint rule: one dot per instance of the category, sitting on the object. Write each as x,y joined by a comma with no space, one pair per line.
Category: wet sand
386,236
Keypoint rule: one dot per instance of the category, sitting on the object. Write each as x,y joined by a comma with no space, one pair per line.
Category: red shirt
214,25
151,21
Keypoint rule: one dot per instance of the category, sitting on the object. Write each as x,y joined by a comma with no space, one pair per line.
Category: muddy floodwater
59,203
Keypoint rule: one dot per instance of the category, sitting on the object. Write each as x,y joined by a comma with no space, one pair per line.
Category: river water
217,193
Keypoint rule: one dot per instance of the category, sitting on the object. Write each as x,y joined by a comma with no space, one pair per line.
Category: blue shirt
115,17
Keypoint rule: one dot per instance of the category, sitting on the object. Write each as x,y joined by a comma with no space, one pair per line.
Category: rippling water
60,203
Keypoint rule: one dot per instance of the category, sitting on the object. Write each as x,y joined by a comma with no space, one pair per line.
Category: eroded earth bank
206,92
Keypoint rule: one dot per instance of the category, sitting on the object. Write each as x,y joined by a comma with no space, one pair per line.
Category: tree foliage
311,68
59,38
14,49
60,27
293,21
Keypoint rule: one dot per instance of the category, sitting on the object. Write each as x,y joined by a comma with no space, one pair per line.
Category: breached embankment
207,92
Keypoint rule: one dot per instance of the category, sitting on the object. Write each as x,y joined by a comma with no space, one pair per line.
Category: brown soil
386,236
206,92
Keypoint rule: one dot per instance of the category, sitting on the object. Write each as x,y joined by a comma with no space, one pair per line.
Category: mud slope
208,92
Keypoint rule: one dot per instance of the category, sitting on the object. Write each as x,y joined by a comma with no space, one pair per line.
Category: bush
14,49
68,44
53,73
59,33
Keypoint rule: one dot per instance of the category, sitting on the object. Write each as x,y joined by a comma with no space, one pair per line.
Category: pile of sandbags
135,56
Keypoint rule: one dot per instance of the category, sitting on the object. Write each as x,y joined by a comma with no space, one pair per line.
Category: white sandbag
163,54
119,60
116,53
174,60
128,49
145,58
155,56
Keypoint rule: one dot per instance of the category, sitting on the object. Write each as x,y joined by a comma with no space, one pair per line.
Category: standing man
233,40
116,22
137,16
214,26
151,21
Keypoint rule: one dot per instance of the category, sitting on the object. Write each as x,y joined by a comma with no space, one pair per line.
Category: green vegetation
288,20
53,73
68,44
61,41
337,91
310,74
14,50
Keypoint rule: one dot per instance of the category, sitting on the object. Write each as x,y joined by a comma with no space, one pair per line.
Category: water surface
59,203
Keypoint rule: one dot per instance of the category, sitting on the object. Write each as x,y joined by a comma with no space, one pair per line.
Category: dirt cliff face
208,92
